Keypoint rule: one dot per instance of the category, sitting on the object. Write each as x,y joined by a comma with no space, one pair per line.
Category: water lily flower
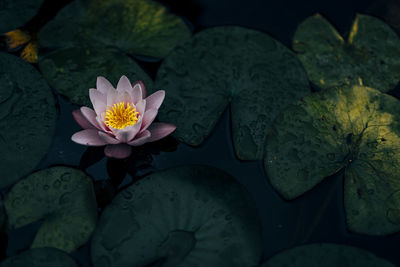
121,118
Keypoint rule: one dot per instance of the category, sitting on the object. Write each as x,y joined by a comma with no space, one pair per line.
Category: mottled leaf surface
369,57
327,255
15,13
356,128
60,196
40,257
190,216
142,27
249,69
27,118
72,71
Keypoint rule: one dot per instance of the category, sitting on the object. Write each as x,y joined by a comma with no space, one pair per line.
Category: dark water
318,216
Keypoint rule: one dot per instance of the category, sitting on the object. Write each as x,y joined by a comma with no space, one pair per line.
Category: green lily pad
249,69
190,216
73,71
142,27
40,257
369,57
63,198
15,13
327,255
355,128
27,118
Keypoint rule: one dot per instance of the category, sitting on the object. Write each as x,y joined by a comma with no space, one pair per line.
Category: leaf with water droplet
72,71
370,56
142,225
327,255
140,27
67,207
254,72
40,257
28,115
371,165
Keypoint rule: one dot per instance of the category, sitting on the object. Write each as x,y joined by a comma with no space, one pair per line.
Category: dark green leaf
191,216
27,118
370,56
64,198
252,71
354,128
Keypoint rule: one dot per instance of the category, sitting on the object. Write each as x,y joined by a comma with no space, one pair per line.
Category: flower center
120,115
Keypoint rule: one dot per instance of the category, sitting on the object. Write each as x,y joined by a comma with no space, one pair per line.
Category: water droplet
17,202
393,215
56,184
198,128
331,156
228,217
127,195
66,176
65,198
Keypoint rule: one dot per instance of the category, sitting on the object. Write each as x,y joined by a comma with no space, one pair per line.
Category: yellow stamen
120,115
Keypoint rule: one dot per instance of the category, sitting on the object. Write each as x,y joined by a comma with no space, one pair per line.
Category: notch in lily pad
370,56
63,198
185,216
254,73
327,255
40,257
355,129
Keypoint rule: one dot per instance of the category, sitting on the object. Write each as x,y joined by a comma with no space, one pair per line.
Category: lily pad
15,13
73,71
60,196
188,216
355,128
142,27
327,255
27,118
369,57
255,73
40,257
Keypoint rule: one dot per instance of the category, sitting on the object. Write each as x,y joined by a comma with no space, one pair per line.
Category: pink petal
126,97
112,96
142,87
123,85
98,100
81,120
100,121
155,100
159,130
108,138
128,133
103,85
141,107
88,137
119,151
90,115
140,139
148,118
136,93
